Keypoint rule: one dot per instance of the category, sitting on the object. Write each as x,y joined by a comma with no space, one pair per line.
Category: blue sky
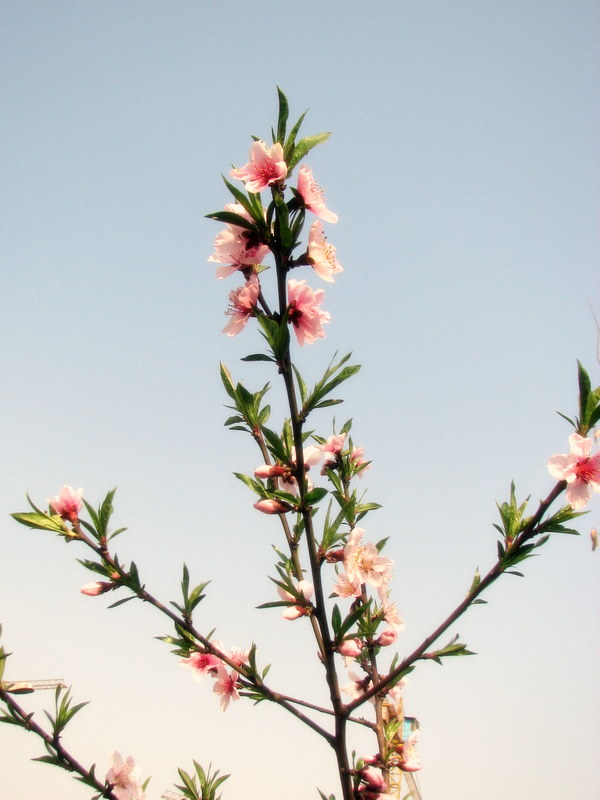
464,167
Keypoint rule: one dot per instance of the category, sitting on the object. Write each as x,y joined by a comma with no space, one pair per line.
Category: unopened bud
350,647
271,471
373,778
386,638
272,506
96,588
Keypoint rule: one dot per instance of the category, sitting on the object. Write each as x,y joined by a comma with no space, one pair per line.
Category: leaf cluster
203,785
335,374
518,531
589,403
190,598
453,648
251,414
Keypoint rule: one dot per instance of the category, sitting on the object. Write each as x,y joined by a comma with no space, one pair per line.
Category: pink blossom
408,752
304,588
67,504
394,695
272,506
391,615
357,687
321,254
331,451
371,760
362,561
124,778
236,246
344,587
266,166
237,655
97,587
226,686
242,304
334,445
579,469
201,663
357,461
304,312
313,196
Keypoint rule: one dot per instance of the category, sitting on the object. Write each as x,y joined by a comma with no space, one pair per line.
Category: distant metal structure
26,687
412,785
407,726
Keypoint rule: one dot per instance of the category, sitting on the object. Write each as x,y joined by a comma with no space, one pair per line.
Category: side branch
528,532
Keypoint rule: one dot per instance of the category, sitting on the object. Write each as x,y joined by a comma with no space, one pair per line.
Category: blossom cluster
246,241
226,683
330,452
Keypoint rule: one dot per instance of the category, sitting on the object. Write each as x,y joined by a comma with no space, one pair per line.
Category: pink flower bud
272,506
96,588
386,638
370,760
373,778
350,647
67,504
271,471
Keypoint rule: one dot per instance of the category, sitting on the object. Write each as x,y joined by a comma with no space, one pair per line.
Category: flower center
585,470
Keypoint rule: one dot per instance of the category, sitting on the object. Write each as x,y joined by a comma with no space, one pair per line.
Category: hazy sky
464,166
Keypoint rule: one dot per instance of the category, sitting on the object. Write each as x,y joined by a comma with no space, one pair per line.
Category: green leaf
351,619
123,600
258,357
251,484
315,496
336,620
229,218
288,150
564,416
40,521
227,382
305,145
282,117
585,387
